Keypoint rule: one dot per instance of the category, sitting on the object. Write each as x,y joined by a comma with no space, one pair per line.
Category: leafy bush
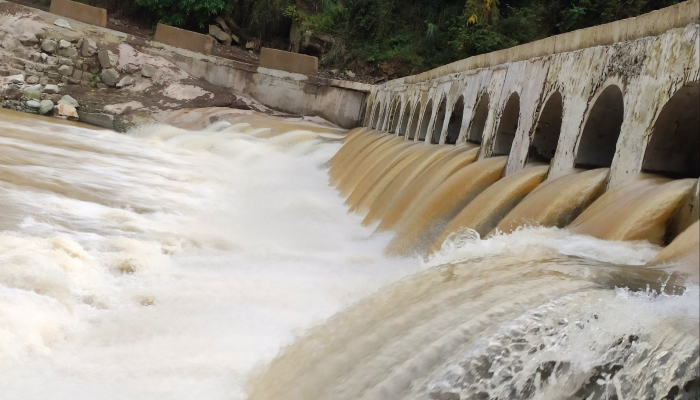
184,13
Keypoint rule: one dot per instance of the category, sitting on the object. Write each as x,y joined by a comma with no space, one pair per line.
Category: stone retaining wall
79,12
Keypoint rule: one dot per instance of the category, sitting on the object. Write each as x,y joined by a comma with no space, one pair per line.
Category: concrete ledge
183,39
79,12
651,24
290,62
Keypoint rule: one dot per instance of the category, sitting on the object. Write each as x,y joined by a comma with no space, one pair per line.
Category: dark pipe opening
507,126
599,138
674,146
547,130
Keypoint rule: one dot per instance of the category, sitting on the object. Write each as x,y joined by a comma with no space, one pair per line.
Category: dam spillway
525,228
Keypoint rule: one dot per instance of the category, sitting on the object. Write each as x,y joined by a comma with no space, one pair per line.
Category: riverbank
67,69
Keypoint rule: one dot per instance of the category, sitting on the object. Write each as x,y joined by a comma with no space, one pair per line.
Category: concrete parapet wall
184,39
650,24
290,62
79,12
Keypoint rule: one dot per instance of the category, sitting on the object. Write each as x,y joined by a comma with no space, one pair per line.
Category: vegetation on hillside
396,37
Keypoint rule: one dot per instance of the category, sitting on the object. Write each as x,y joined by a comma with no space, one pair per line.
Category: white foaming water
170,264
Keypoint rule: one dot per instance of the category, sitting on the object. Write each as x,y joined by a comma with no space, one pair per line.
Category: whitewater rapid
176,264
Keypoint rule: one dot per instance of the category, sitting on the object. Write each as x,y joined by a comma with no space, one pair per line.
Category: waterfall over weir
215,261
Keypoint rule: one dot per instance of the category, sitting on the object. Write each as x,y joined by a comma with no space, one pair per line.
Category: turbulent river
219,263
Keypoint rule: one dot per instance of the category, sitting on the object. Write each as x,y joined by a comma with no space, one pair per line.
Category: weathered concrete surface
339,102
290,62
184,39
647,70
79,12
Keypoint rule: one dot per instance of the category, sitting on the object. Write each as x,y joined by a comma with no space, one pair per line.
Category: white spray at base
171,264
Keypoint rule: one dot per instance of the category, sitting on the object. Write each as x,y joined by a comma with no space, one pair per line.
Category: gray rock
63,24
110,76
49,45
65,70
89,48
51,89
33,80
86,76
43,57
99,119
16,79
33,104
28,39
222,24
101,85
125,81
55,98
65,61
69,52
63,44
36,56
72,80
45,107
53,76
130,68
77,74
12,92
148,70
220,35
50,60
107,59
32,92
69,101
44,80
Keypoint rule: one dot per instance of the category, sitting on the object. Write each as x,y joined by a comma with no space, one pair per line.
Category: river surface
221,264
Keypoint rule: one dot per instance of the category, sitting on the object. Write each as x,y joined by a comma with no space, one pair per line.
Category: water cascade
215,261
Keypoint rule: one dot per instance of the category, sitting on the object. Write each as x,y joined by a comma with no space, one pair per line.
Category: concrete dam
602,110
518,225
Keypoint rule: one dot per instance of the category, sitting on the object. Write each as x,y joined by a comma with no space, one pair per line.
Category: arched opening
544,143
674,146
375,115
414,122
439,122
404,119
455,123
596,148
476,133
394,124
425,121
507,126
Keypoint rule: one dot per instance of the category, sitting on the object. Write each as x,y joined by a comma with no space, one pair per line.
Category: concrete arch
395,116
415,116
454,125
674,145
598,141
507,126
405,116
375,115
476,132
439,121
388,114
547,130
425,121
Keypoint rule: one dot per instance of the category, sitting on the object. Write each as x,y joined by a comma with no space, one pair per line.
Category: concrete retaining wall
79,12
340,102
290,62
184,39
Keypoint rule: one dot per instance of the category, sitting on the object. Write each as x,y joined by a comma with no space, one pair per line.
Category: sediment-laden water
224,263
